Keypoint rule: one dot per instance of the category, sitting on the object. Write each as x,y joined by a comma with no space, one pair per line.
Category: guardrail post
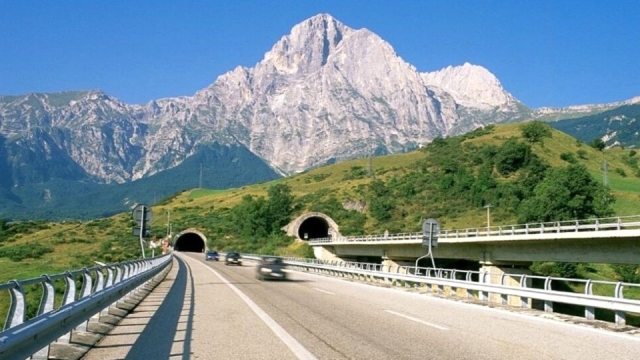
17,309
439,276
484,296
524,301
68,297
589,311
468,279
620,315
503,297
87,284
548,305
48,296
46,305
108,284
454,290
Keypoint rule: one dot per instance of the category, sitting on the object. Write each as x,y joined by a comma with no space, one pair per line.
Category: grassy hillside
412,186
72,245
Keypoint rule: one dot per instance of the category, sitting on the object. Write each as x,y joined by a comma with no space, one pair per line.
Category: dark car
211,255
270,267
232,258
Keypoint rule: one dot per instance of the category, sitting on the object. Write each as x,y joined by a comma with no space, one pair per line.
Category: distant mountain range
323,93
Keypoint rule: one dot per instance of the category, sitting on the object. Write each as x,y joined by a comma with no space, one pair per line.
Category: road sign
430,233
141,210
146,233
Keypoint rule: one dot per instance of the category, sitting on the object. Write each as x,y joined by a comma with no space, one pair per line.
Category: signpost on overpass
142,216
430,233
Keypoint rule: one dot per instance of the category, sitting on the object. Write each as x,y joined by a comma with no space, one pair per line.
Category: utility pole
168,222
488,207
369,167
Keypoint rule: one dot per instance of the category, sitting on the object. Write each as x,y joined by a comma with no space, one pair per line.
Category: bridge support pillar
514,275
396,266
325,253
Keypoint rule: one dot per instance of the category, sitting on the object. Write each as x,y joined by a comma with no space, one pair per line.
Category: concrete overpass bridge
603,240
608,240
500,249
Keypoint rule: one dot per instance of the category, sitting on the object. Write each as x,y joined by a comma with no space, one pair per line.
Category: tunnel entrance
313,228
190,241
312,225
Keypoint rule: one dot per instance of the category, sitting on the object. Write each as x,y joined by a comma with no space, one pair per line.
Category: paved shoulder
194,314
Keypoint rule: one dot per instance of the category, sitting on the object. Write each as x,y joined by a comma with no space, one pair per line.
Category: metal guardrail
22,338
485,283
556,227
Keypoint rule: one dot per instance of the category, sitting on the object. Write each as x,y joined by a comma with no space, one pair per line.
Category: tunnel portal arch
313,226
190,240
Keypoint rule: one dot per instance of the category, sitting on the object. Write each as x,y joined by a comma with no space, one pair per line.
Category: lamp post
488,207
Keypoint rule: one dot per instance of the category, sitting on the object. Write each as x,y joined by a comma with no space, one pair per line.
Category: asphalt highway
215,311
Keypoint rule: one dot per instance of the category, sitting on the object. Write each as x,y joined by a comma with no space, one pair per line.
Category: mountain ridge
323,93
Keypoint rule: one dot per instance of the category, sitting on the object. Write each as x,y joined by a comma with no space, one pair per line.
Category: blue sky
546,53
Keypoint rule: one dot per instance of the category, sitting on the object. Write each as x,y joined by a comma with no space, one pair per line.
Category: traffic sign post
142,216
430,234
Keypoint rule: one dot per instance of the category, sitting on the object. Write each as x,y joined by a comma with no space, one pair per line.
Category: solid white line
300,351
325,291
417,320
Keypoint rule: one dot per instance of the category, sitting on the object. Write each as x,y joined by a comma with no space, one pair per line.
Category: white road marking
300,351
325,291
504,312
417,320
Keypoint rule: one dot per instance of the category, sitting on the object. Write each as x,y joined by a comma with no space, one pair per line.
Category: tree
279,207
512,156
565,194
598,144
536,131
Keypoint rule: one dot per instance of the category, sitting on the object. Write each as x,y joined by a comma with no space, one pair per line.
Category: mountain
619,126
578,111
323,93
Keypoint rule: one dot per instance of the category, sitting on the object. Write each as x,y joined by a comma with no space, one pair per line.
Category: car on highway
233,258
270,267
211,255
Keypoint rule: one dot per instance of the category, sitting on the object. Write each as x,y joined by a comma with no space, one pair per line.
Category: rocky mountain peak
308,46
323,93
470,85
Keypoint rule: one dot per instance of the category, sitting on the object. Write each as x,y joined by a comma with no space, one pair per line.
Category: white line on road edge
417,320
325,291
300,351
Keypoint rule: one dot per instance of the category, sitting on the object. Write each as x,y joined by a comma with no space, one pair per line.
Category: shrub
568,157
626,273
582,154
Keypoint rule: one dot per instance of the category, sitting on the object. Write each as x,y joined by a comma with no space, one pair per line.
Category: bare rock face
323,93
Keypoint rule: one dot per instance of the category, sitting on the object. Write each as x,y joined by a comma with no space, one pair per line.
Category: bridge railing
619,297
570,226
86,295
